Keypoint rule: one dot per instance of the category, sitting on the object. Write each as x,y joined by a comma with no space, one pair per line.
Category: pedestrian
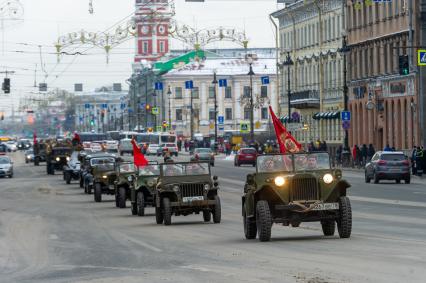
419,161
179,144
358,156
339,155
370,152
364,154
324,146
413,160
354,157
387,148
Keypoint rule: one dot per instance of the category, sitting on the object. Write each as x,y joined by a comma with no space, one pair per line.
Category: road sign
104,106
122,106
87,106
221,128
211,126
244,128
155,110
346,125
220,120
189,84
265,80
159,86
257,125
223,83
142,105
421,57
294,126
346,116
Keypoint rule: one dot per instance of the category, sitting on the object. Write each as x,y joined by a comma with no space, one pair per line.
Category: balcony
305,99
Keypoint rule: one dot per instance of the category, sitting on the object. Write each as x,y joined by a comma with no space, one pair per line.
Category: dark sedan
203,154
386,165
246,156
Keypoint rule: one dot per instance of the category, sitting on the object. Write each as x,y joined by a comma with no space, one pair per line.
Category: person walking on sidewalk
364,154
419,161
370,152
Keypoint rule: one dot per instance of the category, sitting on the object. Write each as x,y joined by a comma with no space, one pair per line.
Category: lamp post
169,95
215,108
251,74
288,62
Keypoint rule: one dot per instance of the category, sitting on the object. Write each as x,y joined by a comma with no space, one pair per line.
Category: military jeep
39,153
293,188
142,194
186,188
57,158
126,176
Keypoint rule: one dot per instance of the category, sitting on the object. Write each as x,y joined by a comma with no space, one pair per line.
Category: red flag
286,141
139,158
34,137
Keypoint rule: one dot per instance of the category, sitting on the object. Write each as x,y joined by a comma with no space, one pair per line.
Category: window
228,92
264,91
178,92
264,113
211,114
145,47
228,113
247,113
195,92
178,114
161,46
211,92
246,92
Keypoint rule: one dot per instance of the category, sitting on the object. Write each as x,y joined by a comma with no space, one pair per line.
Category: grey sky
45,20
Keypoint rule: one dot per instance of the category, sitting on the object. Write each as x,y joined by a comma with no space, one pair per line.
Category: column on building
236,96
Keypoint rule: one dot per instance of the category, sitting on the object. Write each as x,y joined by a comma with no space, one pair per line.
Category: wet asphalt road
52,232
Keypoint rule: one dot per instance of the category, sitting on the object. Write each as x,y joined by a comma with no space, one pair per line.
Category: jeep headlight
105,177
68,158
28,156
206,187
130,178
279,181
58,159
176,188
328,178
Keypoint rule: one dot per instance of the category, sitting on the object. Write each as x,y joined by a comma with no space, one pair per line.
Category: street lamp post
169,94
215,108
344,51
192,115
251,74
288,62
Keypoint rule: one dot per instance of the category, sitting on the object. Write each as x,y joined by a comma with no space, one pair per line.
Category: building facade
232,100
383,102
310,33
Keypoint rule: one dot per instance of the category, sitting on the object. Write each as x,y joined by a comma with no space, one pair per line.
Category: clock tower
152,19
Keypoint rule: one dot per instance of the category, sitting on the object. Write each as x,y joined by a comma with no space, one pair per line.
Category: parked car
203,154
170,147
125,147
386,165
12,146
4,149
246,156
6,167
24,144
29,156
152,149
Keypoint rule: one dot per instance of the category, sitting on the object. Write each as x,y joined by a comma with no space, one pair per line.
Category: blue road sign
421,57
142,106
123,106
223,83
158,86
104,106
87,106
265,80
346,116
130,110
220,120
346,125
189,84
221,128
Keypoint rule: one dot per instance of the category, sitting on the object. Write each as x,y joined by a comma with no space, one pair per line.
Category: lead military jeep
294,188
57,159
186,188
103,176
142,194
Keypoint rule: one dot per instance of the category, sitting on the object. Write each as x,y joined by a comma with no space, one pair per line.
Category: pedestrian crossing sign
421,57
244,128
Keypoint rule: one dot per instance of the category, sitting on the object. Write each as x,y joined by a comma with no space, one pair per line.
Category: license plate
326,206
191,199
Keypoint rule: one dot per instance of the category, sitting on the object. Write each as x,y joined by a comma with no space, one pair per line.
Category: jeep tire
159,217
217,210
344,223
67,176
167,211
328,227
97,194
140,203
207,216
134,208
37,161
122,197
250,228
263,221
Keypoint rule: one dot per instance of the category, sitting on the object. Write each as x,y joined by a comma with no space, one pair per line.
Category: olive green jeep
57,159
142,194
293,188
126,176
103,176
185,188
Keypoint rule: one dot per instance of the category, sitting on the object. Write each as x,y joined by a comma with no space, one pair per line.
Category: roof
225,67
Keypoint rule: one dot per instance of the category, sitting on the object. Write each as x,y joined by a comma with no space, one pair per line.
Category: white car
125,146
6,167
152,149
112,146
12,146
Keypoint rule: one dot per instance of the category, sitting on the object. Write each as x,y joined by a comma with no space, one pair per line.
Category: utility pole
169,94
251,74
215,108
192,115
288,63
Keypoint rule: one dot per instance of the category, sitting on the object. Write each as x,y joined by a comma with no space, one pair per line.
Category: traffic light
6,85
165,124
404,65
148,107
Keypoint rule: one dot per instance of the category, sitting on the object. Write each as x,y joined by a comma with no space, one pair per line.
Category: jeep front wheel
344,223
159,217
207,215
122,197
263,221
250,229
167,211
134,208
328,227
140,201
97,193
67,178
217,210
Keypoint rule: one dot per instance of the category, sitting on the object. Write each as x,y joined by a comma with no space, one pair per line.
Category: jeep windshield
149,170
312,161
185,169
61,151
274,163
127,168
104,164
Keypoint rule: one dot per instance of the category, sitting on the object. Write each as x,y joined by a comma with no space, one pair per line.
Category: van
125,146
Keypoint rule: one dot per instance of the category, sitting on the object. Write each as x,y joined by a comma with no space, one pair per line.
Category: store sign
398,88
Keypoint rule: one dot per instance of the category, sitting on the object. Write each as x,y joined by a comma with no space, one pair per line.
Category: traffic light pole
192,116
215,109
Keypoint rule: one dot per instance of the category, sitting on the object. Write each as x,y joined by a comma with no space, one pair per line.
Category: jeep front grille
191,190
304,189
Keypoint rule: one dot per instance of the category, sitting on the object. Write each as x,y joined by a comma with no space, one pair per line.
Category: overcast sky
45,20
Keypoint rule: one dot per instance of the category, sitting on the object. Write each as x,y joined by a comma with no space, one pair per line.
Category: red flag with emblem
139,158
286,141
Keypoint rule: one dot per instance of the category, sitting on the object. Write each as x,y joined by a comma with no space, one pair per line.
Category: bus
156,138
91,137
